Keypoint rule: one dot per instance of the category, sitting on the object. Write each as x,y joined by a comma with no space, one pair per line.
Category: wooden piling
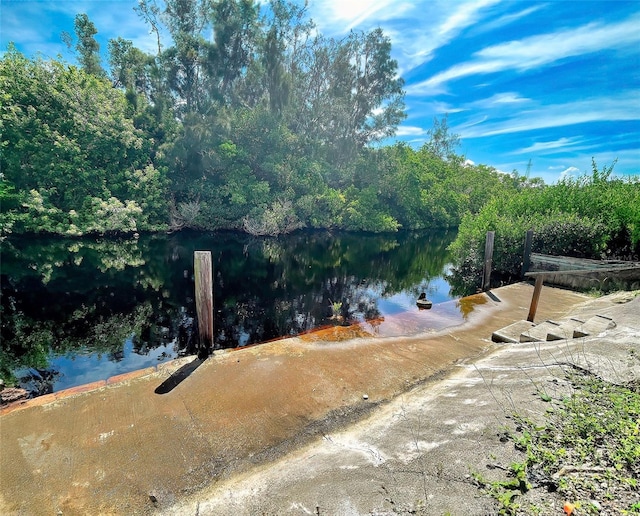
535,298
488,260
204,297
526,256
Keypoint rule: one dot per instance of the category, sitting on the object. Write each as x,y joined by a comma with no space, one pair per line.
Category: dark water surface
80,310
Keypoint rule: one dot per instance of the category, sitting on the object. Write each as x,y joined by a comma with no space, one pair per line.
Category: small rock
153,498
365,396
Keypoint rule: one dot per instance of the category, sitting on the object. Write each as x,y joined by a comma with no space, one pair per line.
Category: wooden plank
204,299
582,271
570,263
488,260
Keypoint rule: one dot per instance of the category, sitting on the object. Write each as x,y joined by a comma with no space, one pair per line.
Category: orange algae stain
336,334
131,375
466,305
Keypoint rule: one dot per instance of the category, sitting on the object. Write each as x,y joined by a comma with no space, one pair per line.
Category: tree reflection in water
78,310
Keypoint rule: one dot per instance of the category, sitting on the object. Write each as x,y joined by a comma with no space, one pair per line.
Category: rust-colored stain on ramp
123,449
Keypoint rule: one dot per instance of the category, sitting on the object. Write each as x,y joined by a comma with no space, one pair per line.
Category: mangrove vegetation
246,117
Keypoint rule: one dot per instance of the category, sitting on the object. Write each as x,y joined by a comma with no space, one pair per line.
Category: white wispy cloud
537,51
506,99
342,16
560,143
464,15
503,21
623,106
477,120
434,107
418,41
411,130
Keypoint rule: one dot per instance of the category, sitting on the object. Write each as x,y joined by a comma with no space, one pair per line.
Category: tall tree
182,61
149,11
87,46
442,142
142,80
235,32
129,66
349,95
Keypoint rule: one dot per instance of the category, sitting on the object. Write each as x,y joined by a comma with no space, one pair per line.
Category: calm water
76,311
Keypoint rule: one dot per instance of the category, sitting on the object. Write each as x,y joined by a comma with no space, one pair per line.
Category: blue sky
554,82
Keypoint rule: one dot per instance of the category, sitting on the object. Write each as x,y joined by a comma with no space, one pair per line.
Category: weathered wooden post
526,256
204,298
488,260
535,298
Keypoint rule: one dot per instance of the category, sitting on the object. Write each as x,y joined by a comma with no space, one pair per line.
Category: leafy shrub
365,213
570,235
278,218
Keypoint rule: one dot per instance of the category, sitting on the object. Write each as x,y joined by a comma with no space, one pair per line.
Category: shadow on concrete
493,296
178,376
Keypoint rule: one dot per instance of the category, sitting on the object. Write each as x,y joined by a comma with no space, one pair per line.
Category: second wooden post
488,260
526,255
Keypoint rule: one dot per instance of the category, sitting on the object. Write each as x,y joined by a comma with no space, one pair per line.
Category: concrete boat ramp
306,425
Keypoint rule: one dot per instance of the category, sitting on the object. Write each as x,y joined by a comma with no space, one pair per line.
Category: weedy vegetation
585,452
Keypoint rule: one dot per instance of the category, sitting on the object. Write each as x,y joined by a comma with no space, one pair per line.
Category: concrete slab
511,333
565,329
417,453
225,440
539,332
594,326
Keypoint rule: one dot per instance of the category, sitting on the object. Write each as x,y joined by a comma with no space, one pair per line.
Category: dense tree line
592,216
266,126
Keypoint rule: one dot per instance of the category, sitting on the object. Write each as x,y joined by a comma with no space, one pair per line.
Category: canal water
80,310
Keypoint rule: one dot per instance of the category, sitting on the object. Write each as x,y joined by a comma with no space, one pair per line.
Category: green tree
186,19
347,95
87,48
236,32
129,66
442,142
71,154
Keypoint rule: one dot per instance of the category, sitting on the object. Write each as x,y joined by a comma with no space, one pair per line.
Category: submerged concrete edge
45,399
169,366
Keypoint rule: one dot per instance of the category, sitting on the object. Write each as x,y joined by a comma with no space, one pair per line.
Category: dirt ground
309,425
